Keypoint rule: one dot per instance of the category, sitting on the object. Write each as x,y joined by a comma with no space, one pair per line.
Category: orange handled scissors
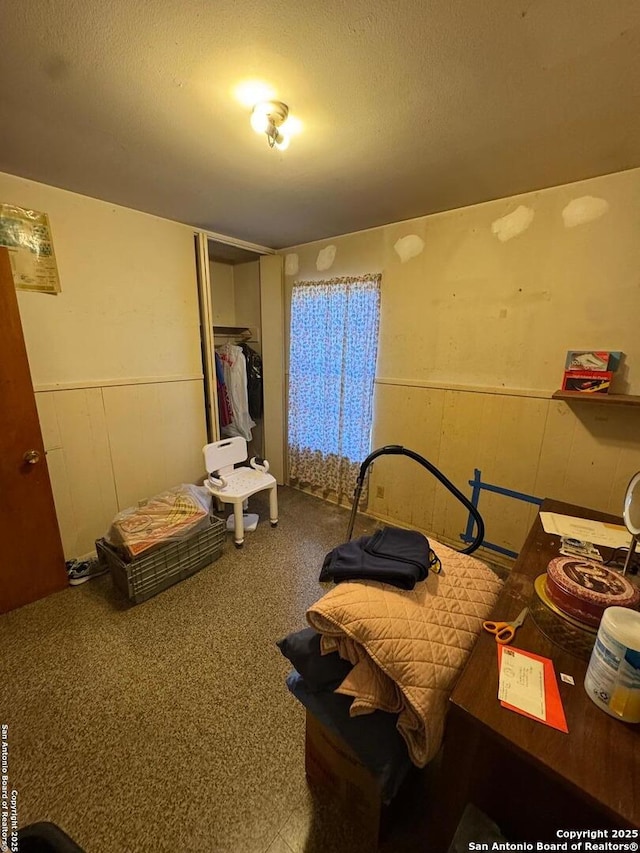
505,631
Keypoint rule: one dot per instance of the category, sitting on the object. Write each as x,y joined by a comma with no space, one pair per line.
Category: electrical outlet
379,491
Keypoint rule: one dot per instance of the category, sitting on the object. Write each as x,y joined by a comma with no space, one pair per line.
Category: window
334,342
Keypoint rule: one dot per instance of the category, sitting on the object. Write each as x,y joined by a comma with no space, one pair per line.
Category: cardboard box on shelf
593,360
587,381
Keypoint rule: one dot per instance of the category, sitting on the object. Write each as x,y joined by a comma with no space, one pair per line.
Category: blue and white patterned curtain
334,343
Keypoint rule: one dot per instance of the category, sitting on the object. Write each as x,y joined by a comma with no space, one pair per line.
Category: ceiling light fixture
269,117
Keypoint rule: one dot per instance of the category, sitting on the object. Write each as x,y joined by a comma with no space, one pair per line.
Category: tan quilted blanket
408,646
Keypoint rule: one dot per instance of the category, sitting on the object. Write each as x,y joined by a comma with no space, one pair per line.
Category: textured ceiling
408,107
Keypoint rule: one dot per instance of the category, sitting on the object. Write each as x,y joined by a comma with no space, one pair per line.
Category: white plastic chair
234,485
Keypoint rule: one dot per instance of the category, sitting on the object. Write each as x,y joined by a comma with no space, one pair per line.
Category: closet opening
241,311
234,275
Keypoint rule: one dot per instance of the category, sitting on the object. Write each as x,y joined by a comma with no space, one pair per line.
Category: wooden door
31,556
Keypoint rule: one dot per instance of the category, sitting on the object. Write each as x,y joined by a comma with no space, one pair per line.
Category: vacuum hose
398,450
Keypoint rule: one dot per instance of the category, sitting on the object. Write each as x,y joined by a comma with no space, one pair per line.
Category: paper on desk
522,683
553,714
597,532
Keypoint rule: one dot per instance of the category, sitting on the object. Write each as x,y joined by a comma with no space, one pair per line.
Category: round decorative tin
563,630
583,589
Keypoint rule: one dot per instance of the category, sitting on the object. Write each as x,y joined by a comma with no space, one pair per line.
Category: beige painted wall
473,336
247,295
115,358
222,294
235,294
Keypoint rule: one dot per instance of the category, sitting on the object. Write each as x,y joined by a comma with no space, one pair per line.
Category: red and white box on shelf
587,381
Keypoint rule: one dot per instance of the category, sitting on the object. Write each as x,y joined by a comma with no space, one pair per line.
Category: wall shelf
603,399
232,330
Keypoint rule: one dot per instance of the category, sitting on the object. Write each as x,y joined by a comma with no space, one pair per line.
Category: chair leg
238,524
273,506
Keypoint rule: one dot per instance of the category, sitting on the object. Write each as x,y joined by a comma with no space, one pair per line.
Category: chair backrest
224,454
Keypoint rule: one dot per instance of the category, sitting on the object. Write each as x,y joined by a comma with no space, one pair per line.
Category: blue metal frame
477,486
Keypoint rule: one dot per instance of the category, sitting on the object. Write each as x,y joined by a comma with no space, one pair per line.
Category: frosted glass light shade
259,119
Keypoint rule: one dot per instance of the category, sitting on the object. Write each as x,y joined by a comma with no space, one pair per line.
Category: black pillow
320,672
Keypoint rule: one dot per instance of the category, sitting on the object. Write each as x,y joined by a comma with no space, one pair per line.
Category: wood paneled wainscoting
520,440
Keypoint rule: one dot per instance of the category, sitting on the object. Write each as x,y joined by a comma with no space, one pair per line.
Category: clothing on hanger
225,410
235,377
254,380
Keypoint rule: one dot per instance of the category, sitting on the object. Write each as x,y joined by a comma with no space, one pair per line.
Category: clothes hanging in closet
235,378
254,380
225,410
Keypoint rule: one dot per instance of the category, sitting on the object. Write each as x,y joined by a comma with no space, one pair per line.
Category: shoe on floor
79,571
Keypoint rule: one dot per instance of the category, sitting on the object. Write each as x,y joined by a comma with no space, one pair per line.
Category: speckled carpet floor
167,726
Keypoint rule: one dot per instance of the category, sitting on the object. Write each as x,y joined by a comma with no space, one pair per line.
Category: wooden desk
531,779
